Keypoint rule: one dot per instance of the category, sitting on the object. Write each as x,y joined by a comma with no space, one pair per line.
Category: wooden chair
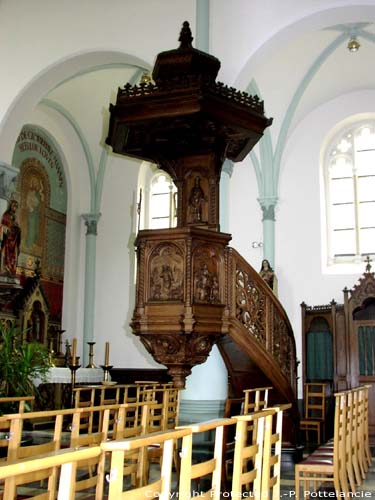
257,458
161,487
21,400
5,423
67,459
315,410
131,393
366,442
132,422
18,452
84,397
255,399
356,436
232,407
89,474
212,466
163,412
320,467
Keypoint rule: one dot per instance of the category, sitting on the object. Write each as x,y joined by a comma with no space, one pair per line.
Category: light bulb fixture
353,44
257,244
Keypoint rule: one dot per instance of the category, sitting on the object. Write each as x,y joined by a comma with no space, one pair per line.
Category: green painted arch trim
297,97
257,168
264,167
100,179
90,163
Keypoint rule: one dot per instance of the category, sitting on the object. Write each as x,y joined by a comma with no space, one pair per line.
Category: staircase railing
256,312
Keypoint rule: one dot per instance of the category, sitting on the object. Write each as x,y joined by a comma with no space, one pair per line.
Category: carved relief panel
166,273
206,265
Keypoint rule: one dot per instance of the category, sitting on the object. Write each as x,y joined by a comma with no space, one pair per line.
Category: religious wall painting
166,273
41,193
35,198
206,275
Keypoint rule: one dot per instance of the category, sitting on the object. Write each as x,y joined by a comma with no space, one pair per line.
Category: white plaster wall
115,267
244,34
35,34
245,214
298,226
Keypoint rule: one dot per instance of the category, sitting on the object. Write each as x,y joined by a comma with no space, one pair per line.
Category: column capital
91,222
268,205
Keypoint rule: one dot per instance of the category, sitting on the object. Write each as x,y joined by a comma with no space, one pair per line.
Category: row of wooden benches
256,464
345,459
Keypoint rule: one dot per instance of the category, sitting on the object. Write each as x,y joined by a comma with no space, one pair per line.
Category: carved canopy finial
368,264
185,36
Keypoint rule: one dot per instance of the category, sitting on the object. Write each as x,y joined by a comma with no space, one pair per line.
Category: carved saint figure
10,236
267,273
214,292
197,200
166,276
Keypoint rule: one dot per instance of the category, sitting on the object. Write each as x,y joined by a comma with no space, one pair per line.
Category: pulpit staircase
259,349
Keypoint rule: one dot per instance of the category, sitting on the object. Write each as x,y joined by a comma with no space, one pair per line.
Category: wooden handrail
254,307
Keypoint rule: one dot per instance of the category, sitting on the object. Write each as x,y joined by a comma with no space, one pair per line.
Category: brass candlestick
91,355
73,370
59,342
106,369
51,354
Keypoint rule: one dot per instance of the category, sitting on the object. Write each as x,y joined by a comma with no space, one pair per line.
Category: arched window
349,171
163,197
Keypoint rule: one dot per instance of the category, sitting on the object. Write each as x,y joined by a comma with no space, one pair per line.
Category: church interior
187,226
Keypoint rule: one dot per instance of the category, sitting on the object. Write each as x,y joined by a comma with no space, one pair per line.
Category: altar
54,391
60,375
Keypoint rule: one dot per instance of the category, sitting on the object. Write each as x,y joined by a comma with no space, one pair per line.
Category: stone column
91,223
268,206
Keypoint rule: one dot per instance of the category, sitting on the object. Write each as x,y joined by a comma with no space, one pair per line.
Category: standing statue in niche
197,200
267,273
10,236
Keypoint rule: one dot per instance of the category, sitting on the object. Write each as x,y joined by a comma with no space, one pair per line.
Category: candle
106,356
74,351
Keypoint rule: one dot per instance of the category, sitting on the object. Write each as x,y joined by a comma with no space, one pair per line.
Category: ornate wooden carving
166,273
179,312
188,124
344,321
251,305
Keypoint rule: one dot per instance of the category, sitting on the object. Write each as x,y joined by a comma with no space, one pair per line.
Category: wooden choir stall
339,341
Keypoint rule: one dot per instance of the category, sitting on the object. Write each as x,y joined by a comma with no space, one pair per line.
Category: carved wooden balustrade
259,325
191,290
